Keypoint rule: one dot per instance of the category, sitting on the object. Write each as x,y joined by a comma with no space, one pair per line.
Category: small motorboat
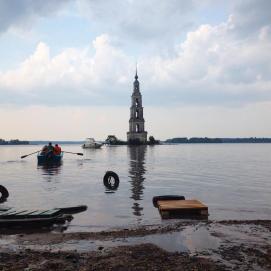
90,143
49,158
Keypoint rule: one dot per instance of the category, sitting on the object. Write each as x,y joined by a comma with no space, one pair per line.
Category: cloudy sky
67,67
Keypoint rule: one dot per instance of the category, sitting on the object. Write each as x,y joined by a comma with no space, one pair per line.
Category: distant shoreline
204,140
14,142
176,140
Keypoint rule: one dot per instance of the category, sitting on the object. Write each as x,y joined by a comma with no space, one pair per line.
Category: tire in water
111,180
3,193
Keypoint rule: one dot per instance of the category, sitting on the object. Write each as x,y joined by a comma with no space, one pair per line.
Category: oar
78,153
28,154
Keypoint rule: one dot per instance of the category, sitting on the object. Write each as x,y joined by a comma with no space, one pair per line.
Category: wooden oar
29,154
78,153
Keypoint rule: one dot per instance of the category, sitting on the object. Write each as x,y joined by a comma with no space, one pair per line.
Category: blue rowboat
49,158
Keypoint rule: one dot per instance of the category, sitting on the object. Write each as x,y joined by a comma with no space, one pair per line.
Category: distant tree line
218,140
13,142
113,140
247,140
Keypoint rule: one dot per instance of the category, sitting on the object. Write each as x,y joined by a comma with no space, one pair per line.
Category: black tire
4,193
111,180
166,197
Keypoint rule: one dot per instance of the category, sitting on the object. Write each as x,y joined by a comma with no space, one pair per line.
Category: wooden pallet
182,209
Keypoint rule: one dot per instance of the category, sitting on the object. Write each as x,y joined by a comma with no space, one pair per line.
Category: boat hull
49,159
90,143
95,146
34,222
17,221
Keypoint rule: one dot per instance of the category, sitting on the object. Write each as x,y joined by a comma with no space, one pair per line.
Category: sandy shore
196,245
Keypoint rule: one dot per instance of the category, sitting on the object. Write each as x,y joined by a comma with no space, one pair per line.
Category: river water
234,180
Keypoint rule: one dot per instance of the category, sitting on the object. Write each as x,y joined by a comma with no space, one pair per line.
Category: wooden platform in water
182,208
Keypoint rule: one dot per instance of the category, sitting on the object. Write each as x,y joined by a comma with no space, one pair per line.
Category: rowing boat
10,217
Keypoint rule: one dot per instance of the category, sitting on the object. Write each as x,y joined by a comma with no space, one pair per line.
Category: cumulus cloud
17,13
135,19
165,21
141,20
203,72
251,15
210,67
213,65
69,77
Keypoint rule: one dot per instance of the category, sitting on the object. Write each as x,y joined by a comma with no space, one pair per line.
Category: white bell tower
137,133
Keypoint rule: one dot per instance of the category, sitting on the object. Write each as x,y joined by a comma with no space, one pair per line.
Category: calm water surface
234,180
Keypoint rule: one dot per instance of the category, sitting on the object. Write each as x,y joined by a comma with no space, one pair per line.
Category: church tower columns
137,133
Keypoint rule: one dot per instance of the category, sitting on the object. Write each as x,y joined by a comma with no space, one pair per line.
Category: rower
50,151
44,150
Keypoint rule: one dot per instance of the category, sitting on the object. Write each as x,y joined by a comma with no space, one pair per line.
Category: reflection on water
137,171
48,171
51,174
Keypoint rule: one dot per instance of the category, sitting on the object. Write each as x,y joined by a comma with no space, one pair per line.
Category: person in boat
57,150
50,147
50,151
44,150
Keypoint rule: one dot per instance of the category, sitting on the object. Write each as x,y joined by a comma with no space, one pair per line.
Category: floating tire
3,193
111,180
166,197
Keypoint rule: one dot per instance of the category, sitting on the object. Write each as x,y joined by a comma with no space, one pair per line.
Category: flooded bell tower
137,133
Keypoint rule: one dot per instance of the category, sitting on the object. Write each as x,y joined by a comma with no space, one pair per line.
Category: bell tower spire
136,82
137,133
136,77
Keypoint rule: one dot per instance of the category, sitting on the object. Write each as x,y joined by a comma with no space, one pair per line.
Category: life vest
57,150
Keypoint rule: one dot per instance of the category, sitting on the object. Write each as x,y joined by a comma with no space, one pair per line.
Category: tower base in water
137,138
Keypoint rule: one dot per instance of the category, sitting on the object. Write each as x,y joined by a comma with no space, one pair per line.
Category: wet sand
191,245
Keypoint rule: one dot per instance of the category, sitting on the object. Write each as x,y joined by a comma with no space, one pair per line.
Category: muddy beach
190,245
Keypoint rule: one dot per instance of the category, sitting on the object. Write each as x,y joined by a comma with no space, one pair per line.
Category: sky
67,68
